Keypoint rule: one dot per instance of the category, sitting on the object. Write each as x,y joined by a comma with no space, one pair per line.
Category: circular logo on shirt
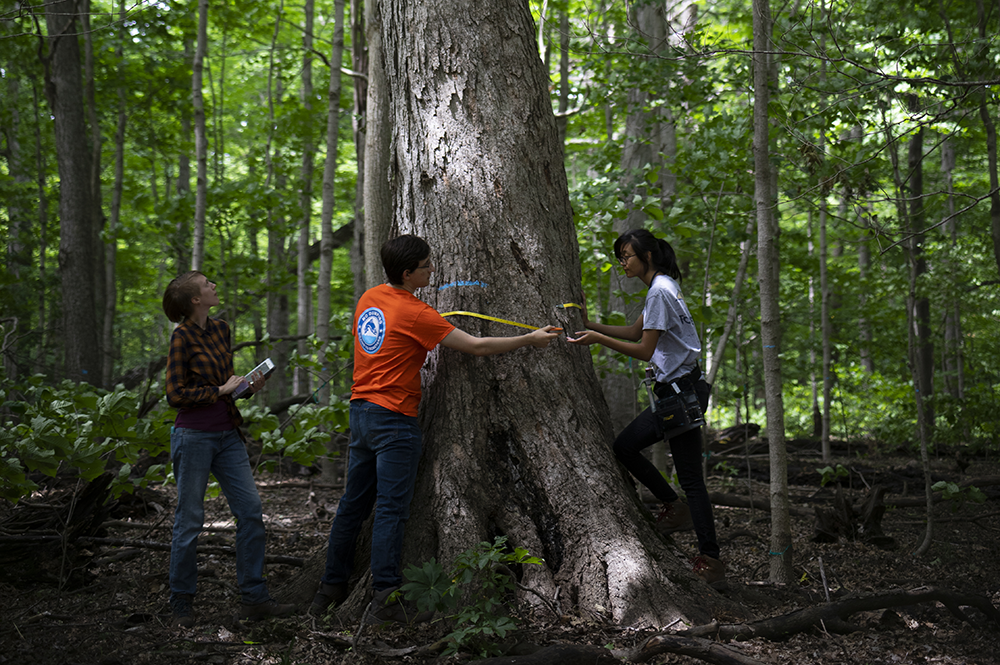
371,329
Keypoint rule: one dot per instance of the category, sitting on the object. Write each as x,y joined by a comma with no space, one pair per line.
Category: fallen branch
557,654
147,544
834,616
695,647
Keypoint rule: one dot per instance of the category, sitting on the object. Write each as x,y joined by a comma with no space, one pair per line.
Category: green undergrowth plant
74,427
958,495
474,594
77,429
829,474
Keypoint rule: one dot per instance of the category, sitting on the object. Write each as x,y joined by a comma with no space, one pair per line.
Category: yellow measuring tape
509,323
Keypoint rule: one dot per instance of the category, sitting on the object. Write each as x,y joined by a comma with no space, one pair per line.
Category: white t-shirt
678,348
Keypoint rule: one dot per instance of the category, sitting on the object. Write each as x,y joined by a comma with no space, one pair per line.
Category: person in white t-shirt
664,335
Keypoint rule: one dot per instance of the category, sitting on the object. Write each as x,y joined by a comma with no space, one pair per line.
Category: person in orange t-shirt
393,332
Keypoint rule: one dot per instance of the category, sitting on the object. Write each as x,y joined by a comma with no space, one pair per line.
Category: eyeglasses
429,266
623,259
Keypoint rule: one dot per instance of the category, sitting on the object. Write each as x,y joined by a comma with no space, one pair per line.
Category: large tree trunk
77,267
515,444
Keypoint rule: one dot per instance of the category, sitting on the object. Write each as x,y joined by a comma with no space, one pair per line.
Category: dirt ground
112,606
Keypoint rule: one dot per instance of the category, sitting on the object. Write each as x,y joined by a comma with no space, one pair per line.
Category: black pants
686,451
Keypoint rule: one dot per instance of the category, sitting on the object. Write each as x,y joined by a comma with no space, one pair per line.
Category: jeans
382,470
686,452
195,454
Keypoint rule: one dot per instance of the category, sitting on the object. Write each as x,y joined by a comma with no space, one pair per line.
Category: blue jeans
382,470
195,454
686,451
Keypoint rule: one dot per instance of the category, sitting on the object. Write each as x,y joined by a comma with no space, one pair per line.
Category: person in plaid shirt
206,438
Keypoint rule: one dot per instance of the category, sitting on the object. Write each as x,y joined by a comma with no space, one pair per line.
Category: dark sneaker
711,570
329,595
182,614
675,516
268,609
398,611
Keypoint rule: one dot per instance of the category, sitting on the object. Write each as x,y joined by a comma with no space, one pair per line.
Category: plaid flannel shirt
198,363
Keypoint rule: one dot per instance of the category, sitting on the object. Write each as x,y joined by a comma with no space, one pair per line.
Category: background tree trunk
953,360
302,384
515,444
111,249
359,122
77,268
200,138
768,263
329,178
378,134
96,195
278,314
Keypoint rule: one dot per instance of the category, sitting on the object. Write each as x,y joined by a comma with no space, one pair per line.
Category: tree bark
515,444
96,198
200,138
640,150
954,354
378,134
768,263
77,268
329,181
301,383
359,122
111,249
991,145
278,316
182,230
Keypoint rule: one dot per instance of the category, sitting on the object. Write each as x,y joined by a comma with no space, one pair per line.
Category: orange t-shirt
393,331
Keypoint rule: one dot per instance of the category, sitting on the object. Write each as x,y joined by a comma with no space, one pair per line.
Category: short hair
401,254
177,298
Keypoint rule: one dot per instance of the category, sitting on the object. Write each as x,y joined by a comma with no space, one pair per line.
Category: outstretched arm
632,332
488,346
643,350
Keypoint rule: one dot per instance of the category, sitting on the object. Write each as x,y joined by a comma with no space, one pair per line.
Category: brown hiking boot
711,570
383,608
329,595
675,516
268,609
182,615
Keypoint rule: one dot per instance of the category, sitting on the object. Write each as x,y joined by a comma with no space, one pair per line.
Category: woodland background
882,142
826,171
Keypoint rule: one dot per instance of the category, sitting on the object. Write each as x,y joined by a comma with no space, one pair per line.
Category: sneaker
182,614
711,570
675,516
268,609
398,611
329,595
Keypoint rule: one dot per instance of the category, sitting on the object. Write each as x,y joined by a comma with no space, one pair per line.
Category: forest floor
113,607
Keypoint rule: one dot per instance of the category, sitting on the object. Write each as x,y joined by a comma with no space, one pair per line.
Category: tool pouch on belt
678,405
